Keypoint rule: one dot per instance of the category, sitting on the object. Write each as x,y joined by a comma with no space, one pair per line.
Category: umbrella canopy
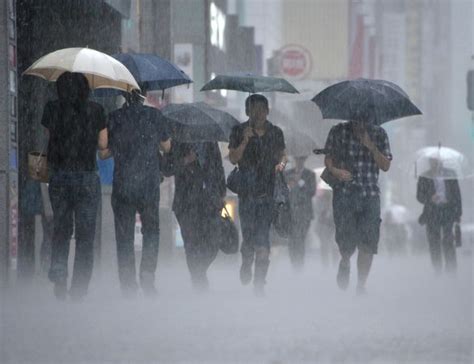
199,122
249,83
101,70
442,162
376,101
297,143
153,72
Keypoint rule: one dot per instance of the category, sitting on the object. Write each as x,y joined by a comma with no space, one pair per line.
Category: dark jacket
135,134
199,185
453,207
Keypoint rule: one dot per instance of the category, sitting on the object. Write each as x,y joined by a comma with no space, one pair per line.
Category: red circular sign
295,62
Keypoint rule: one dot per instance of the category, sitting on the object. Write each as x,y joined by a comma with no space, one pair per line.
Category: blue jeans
75,199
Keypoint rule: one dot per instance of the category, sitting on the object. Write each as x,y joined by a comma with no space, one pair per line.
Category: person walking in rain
302,184
438,190
355,152
136,135
258,147
198,200
76,127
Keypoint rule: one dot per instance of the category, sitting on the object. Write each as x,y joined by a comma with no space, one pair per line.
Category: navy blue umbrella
150,71
376,101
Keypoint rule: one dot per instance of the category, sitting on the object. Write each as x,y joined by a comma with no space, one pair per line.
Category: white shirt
440,187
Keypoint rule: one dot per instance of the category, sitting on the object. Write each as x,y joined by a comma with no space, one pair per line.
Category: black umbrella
199,122
376,101
249,83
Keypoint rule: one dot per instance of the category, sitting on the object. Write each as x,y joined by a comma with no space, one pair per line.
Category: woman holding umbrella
76,128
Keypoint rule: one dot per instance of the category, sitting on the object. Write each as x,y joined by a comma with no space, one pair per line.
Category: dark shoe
60,290
246,273
361,291
259,290
129,291
343,274
147,282
77,294
150,292
200,284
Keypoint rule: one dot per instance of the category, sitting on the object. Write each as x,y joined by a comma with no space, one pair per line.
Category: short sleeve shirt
342,144
260,155
73,135
135,133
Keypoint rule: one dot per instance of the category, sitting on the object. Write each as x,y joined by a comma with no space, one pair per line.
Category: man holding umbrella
355,153
356,200
259,148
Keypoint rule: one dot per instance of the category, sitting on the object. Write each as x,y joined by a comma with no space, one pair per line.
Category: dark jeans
197,226
74,198
125,210
439,230
255,220
297,241
357,221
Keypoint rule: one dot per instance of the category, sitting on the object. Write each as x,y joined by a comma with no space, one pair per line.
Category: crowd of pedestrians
139,140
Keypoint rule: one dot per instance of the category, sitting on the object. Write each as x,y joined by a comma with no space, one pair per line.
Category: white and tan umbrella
101,70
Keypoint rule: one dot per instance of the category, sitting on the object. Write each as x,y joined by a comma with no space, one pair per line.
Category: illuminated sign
217,27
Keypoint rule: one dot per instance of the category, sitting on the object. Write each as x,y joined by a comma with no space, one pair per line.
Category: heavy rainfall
236,181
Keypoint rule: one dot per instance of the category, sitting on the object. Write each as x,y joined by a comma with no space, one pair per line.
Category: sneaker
60,290
246,273
343,274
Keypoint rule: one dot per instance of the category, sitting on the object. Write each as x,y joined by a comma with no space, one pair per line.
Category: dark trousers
297,241
197,227
255,220
125,210
74,198
441,243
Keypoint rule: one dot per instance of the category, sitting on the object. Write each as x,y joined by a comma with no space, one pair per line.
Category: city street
408,316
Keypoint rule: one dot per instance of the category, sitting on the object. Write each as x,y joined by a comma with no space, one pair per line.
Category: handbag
227,234
282,220
241,181
329,178
38,166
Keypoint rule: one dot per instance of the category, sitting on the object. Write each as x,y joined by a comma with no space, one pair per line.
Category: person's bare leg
343,273
364,262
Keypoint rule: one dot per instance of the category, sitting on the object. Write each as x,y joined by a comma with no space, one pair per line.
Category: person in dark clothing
356,151
441,198
136,135
76,127
258,147
198,200
302,184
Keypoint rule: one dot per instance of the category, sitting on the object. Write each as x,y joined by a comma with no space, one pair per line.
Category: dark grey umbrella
249,83
199,122
376,101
